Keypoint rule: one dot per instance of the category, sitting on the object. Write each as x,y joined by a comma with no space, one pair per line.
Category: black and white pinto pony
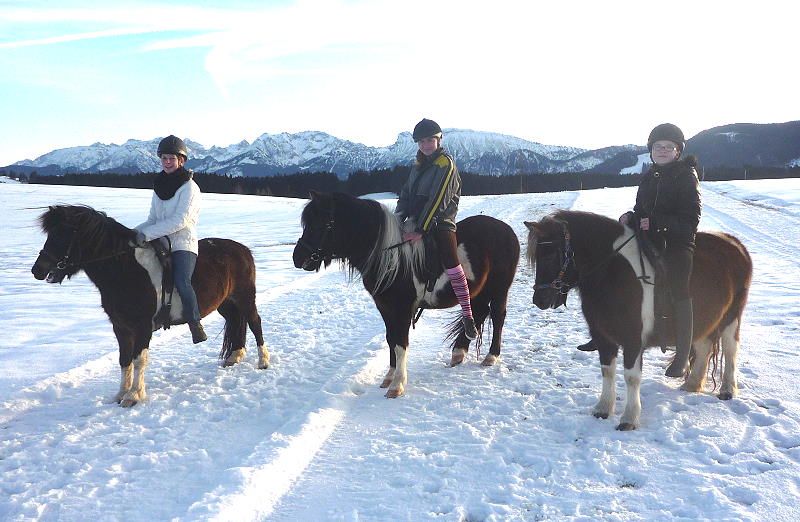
365,236
596,255
129,281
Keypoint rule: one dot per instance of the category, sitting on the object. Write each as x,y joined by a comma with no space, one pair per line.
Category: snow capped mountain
313,151
775,144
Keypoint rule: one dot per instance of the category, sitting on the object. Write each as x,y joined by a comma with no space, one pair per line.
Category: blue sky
581,73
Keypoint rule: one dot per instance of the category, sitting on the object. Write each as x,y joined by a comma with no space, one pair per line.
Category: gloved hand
411,236
140,241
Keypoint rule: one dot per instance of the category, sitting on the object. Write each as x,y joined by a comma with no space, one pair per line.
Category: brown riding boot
198,334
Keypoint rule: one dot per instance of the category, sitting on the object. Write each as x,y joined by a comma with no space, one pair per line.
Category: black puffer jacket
670,196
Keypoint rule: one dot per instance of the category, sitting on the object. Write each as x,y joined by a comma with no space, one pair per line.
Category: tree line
389,180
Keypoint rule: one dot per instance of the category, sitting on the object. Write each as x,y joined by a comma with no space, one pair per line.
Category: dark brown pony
598,256
366,237
129,281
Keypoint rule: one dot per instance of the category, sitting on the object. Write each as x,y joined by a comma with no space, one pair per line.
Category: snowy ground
313,438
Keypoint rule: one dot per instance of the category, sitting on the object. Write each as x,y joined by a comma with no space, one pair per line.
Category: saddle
662,298
162,247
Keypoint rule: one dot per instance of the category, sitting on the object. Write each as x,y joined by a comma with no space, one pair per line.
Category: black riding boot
683,338
198,334
587,346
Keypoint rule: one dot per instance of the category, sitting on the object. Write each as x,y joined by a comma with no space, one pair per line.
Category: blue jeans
183,263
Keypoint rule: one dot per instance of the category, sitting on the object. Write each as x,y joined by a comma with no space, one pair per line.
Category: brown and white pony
596,255
129,281
365,235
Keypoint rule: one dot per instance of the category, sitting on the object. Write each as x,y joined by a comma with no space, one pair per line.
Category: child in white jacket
174,212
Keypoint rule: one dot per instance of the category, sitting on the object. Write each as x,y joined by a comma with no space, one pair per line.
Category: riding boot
588,346
683,338
198,334
459,282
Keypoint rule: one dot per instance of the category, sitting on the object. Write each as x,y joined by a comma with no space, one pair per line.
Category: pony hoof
690,388
386,382
263,357
235,357
459,354
626,426
127,403
600,415
393,394
725,396
490,360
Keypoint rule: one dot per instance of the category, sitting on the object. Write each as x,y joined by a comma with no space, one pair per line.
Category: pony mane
373,233
594,230
98,232
387,261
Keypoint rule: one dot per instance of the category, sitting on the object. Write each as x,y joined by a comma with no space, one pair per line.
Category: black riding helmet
669,132
173,145
425,129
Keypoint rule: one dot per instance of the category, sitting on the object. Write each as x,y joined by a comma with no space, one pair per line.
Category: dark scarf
423,160
165,185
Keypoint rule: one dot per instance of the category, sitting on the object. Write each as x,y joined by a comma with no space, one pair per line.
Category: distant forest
390,180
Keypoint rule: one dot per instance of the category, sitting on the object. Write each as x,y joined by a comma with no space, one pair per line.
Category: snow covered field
313,438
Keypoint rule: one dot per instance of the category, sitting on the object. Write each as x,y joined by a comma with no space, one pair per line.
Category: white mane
385,263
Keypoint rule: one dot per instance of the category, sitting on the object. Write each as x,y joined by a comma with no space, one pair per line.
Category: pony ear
313,194
531,225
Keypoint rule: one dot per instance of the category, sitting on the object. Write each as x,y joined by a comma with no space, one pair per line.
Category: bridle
318,252
65,263
563,287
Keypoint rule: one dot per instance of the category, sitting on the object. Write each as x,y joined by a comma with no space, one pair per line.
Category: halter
318,252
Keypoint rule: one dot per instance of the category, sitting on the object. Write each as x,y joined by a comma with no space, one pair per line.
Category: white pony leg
125,382
633,402
605,405
235,357
263,357
398,386
730,349
137,392
696,380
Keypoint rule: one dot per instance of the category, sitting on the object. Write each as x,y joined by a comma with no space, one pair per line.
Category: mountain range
736,145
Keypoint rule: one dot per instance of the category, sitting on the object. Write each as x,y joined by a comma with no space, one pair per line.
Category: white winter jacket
175,218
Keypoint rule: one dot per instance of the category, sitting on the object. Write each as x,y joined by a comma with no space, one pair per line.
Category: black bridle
318,253
563,287
65,263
